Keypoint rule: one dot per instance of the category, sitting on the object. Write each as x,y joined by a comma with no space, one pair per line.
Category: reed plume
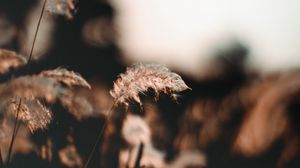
66,77
10,59
30,86
140,77
49,86
32,112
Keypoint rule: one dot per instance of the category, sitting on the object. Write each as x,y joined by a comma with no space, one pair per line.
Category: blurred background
191,32
239,57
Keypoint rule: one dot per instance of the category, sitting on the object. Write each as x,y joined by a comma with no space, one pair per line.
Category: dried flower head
66,77
140,77
30,86
10,59
32,112
48,86
62,7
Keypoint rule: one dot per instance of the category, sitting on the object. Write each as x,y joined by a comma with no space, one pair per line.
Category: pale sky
184,33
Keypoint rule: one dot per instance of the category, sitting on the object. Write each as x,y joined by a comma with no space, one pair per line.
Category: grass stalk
99,136
17,123
15,132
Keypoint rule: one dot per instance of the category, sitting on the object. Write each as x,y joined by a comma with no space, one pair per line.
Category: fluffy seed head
66,77
140,77
9,59
32,112
28,87
50,87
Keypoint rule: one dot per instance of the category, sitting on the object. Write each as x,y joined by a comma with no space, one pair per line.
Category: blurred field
239,59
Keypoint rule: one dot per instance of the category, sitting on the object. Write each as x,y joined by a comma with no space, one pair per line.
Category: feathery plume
31,86
66,77
62,7
33,113
140,77
10,59
47,86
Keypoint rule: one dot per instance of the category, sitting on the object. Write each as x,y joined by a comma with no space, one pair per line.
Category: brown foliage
268,119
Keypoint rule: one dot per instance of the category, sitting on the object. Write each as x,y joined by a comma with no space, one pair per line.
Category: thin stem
139,156
36,31
17,123
99,136
14,132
